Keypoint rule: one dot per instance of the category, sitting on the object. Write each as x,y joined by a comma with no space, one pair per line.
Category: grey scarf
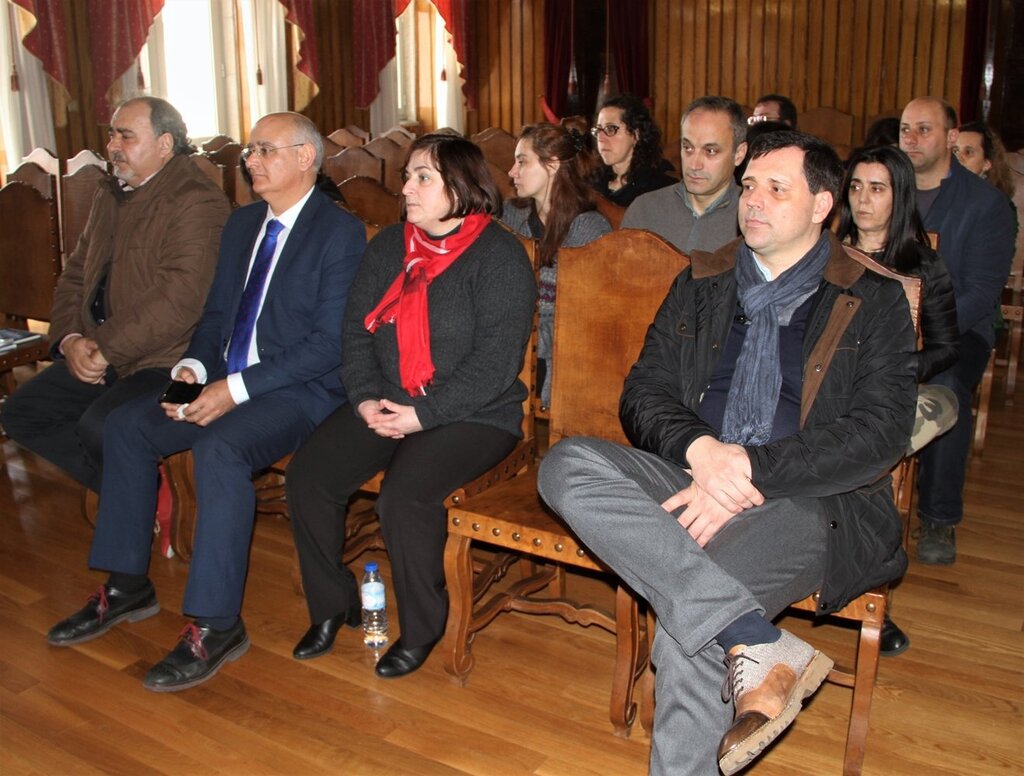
757,381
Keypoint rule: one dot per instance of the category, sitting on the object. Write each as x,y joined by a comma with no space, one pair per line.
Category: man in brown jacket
131,293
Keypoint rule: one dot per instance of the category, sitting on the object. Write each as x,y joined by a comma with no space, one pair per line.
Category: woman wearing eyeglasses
629,143
555,205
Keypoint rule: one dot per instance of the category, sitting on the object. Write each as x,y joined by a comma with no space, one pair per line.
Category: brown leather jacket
160,242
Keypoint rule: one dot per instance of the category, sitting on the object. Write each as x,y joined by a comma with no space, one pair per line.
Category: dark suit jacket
299,328
974,221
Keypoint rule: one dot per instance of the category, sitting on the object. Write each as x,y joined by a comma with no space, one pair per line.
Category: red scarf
405,301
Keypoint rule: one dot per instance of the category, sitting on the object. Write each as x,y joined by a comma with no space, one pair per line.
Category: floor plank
537,700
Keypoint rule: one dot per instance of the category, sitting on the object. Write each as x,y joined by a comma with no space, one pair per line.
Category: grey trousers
762,560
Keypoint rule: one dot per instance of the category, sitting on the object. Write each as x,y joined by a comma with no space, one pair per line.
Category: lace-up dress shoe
893,641
106,608
769,683
199,655
399,661
319,639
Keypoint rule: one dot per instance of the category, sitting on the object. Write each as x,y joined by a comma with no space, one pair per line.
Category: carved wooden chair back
353,161
613,287
393,156
370,200
29,267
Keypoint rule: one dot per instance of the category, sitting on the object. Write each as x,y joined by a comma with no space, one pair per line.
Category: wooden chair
869,609
829,124
371,201
330,147
346,138
79,187
244,195
350,162
229,156
608,293
215,172
393,156
614,213
29,267
215,143
498,147
503,182
400,135
86,158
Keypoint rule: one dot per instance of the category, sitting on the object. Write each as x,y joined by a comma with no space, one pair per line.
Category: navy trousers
226,453
58,417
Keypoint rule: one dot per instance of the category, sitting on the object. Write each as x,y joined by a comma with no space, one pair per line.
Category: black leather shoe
199,655
894,641
320,638
399,661
106,608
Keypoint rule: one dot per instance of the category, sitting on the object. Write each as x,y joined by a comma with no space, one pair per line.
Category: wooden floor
536,702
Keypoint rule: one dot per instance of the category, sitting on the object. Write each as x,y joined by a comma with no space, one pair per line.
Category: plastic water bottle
375,613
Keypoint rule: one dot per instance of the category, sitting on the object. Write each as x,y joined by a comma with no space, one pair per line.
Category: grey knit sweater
481,313
585,228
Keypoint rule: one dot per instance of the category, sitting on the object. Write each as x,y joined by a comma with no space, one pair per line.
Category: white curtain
26,119
263,21
450,107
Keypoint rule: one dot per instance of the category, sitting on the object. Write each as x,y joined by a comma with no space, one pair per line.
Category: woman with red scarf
434,337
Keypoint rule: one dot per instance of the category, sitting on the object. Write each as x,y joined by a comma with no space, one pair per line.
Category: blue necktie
245,320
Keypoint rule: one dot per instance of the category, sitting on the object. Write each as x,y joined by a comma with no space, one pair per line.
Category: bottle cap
371,566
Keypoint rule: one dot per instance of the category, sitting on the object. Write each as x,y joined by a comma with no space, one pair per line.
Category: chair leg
627,659
647,685
1013,359
863,689
178,468
984,397
458,572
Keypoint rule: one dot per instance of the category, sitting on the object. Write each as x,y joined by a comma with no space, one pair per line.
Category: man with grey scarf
775,389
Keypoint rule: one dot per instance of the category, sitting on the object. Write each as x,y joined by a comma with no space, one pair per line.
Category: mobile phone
180,392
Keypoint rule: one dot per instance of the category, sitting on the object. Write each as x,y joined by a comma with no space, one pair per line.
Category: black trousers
421,471
60,418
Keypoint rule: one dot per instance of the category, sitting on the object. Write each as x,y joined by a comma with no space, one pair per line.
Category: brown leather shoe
768,683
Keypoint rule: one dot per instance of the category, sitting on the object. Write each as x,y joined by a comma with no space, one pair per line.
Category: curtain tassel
259,75
15,84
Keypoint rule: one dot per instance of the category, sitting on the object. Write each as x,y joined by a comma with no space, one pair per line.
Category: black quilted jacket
857,408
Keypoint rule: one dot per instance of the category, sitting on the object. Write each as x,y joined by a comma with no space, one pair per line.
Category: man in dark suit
268,350
974,222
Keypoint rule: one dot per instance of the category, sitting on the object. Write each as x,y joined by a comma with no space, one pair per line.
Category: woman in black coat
878,215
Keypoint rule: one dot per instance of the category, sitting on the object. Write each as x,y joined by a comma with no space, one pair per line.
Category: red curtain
973,72
557,58
300,13
627,21
373,26
117,31
48,39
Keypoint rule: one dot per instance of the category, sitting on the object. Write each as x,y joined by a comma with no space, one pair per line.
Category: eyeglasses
608,130
263,150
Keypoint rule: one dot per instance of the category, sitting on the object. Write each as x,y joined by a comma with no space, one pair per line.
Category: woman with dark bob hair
878,215
433,340
629,143
555,205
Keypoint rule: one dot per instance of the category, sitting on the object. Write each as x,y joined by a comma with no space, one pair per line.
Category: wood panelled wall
863,57
510,64
334,106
